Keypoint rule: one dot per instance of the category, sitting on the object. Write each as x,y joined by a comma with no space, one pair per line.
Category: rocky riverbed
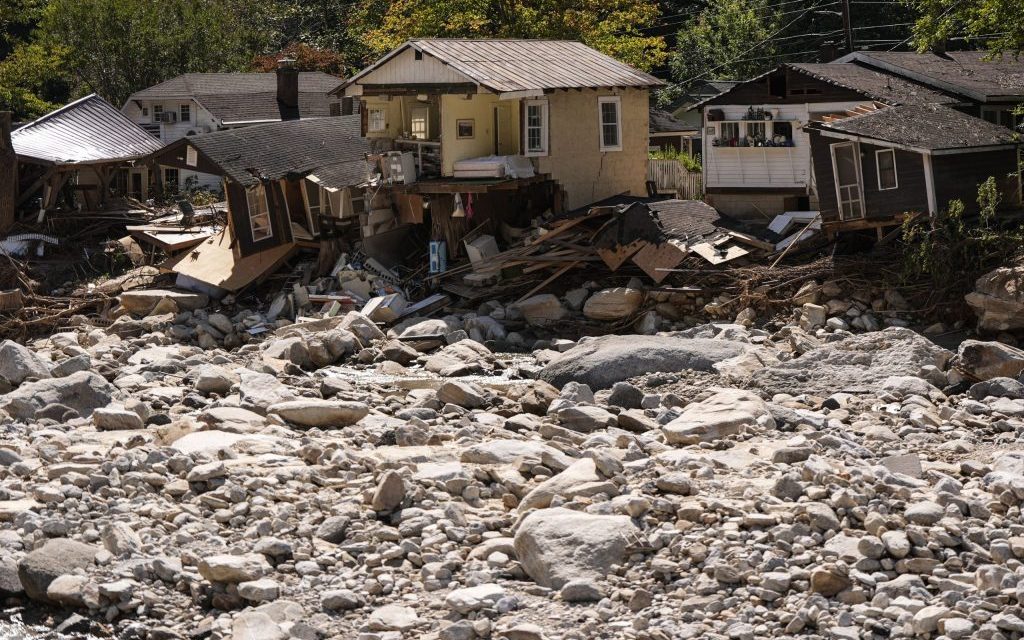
328,480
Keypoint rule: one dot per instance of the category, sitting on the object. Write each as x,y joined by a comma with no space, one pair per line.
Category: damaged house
287,185
77,156
197,103
502,130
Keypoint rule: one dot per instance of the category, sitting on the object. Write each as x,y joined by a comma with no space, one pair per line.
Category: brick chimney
288,89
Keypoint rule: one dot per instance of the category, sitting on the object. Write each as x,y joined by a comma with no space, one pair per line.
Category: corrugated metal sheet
89,130
524,65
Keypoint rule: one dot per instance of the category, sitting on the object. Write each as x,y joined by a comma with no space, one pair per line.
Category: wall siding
958,177
480,109
404,68
574,158
757,92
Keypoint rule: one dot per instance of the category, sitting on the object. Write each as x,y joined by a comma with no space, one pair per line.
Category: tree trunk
8,174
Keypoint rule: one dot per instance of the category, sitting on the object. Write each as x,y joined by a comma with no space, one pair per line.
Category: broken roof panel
922,127
665,122
89,130
280,149
524,65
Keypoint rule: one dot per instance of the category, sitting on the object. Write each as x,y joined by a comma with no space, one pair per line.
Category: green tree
116,47
615,28
729,39
999,24
32,81
17,20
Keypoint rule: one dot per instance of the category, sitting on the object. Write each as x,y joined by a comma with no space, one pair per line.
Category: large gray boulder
727,413
982,360
258,391
83,391
18,362
57,557
601,362
313,412
998,299
559,545
859,363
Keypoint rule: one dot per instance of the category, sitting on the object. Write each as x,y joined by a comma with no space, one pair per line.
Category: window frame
158,112
370,112
185,112
167,180
544,129
256,191
617,101
878,170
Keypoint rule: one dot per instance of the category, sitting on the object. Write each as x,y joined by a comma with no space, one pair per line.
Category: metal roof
89,130
523,65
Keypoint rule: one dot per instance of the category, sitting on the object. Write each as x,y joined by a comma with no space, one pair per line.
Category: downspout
929,184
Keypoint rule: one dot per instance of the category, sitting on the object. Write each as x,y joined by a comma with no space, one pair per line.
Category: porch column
929,184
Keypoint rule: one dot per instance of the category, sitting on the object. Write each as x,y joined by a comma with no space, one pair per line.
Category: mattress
493,167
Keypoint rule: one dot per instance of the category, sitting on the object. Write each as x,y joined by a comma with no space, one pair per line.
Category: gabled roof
523,65
88,130
870,83
965,73
245,97
279,149
922,128
665,122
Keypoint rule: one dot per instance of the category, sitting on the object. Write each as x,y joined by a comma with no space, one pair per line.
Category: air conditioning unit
168,117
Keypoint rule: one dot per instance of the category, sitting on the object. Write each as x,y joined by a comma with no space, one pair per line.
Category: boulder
83,392
209,378
983,360
998,388
232,569
312,412
470,599
613,304
858,363
258,391
363,328
998,299
141,302
727,413
603,361
293,349
543,309
585,418
460,359
390,492
581,473
117,418
256,625
58,557
462,394
18,362
559,545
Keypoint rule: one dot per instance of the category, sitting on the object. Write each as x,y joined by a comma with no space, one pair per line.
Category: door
420,123
504,131
136,190
849,186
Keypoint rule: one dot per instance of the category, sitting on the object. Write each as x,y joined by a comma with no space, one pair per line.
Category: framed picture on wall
465,129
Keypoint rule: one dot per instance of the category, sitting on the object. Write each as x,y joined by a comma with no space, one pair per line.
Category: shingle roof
89,130
683,219
665,122
522,65
929,128
279,149
874,84
966,73
245,97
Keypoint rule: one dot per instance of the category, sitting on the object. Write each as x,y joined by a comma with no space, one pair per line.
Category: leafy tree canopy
997,24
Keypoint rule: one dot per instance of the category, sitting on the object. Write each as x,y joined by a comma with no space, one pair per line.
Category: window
158,112
418,122
259,213
885,161
465,129
536,128
318,202
611,123
185,113
375,120
145,111
783,129
171,179
335,109
730,133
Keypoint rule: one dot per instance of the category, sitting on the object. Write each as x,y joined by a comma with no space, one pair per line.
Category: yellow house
473,110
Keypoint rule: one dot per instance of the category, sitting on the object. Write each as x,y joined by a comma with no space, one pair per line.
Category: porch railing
427,154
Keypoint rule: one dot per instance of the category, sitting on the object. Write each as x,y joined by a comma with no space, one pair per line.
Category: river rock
983,360
727,413
998,299
320,413
18,362
58,557
82,392
613,304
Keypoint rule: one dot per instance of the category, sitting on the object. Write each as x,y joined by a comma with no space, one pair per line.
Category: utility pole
848,26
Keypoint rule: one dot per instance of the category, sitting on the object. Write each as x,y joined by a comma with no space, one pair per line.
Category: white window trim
370,119
157,110
878,170
250,194
860,179
543,151
617,101
186,107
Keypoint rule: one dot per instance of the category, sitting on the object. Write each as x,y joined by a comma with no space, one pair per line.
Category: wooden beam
36,184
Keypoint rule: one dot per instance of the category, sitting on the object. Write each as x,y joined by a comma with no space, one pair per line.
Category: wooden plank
554,276
657,260
615,258
214,262
751,240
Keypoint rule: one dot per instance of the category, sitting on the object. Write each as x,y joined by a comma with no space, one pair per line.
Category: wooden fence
670,176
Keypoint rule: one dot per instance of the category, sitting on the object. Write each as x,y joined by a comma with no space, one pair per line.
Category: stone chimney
288,89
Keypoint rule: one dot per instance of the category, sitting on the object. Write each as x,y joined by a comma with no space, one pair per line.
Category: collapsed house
196,103
288,185
877,163
503,130
77,156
